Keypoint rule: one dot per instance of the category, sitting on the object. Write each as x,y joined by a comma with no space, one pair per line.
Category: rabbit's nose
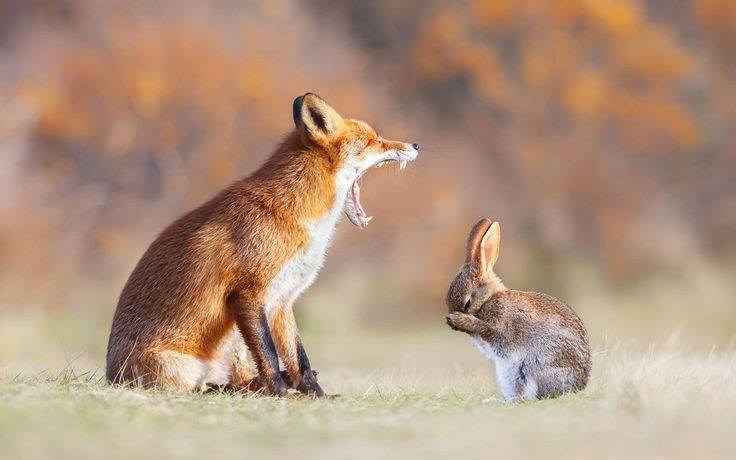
415,146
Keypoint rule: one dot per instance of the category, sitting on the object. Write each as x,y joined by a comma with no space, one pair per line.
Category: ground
402,395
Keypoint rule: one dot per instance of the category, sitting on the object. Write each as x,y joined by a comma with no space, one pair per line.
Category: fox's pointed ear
296,109
319,121
473,251
490,246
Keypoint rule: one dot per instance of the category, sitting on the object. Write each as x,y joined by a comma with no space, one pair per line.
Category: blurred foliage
593,129
607,119
142,110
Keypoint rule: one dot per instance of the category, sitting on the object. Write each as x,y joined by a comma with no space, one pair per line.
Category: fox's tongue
364,219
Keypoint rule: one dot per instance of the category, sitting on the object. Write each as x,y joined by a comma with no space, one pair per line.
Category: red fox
222,280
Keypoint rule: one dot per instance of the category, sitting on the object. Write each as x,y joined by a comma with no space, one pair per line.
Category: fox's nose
416,147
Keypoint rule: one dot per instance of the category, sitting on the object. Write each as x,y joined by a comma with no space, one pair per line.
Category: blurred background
599,132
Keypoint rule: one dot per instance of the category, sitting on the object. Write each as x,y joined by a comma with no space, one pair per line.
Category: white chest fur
302,269
507,368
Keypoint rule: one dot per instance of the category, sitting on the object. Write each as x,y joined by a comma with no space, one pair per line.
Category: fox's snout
415,147
410,153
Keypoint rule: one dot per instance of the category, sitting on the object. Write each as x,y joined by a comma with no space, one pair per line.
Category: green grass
668,401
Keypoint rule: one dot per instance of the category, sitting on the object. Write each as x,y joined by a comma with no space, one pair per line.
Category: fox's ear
490,246
473,251
318,120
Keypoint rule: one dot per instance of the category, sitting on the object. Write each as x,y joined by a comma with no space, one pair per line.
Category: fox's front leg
292,353
251,319
464,322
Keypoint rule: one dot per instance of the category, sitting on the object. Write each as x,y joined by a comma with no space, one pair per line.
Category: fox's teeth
368,218
402,164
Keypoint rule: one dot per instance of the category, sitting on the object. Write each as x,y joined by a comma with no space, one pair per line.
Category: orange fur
212,268
285,335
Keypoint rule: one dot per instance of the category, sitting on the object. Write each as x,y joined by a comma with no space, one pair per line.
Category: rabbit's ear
490,246
473,251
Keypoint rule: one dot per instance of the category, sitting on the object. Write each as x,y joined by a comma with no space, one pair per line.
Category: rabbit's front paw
459,321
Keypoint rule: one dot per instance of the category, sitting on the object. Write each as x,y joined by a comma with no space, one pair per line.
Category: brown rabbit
539,345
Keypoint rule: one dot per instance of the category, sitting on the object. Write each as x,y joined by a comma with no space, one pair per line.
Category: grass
414,390
667,401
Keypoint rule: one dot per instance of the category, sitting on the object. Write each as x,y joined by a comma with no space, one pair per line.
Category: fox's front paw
308,385
459,321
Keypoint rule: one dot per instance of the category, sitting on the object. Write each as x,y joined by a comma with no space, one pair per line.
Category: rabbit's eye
466,305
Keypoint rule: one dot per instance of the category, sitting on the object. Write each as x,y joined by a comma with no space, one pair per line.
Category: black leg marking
302,357
257,336
308,384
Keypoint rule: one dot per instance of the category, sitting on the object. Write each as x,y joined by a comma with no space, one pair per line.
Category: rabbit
539,344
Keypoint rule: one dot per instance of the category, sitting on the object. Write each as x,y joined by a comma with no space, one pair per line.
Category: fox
216,289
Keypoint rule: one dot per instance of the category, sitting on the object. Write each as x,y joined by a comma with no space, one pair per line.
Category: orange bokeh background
599,132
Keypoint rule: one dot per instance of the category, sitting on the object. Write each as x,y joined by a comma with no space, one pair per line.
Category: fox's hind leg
237,357
173,370
242,374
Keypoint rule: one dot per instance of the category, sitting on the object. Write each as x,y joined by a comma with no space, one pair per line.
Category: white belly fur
302,269
507,371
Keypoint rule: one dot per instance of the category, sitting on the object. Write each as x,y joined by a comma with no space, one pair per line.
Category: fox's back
180,280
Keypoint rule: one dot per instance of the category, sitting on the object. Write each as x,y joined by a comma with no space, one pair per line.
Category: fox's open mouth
353,209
